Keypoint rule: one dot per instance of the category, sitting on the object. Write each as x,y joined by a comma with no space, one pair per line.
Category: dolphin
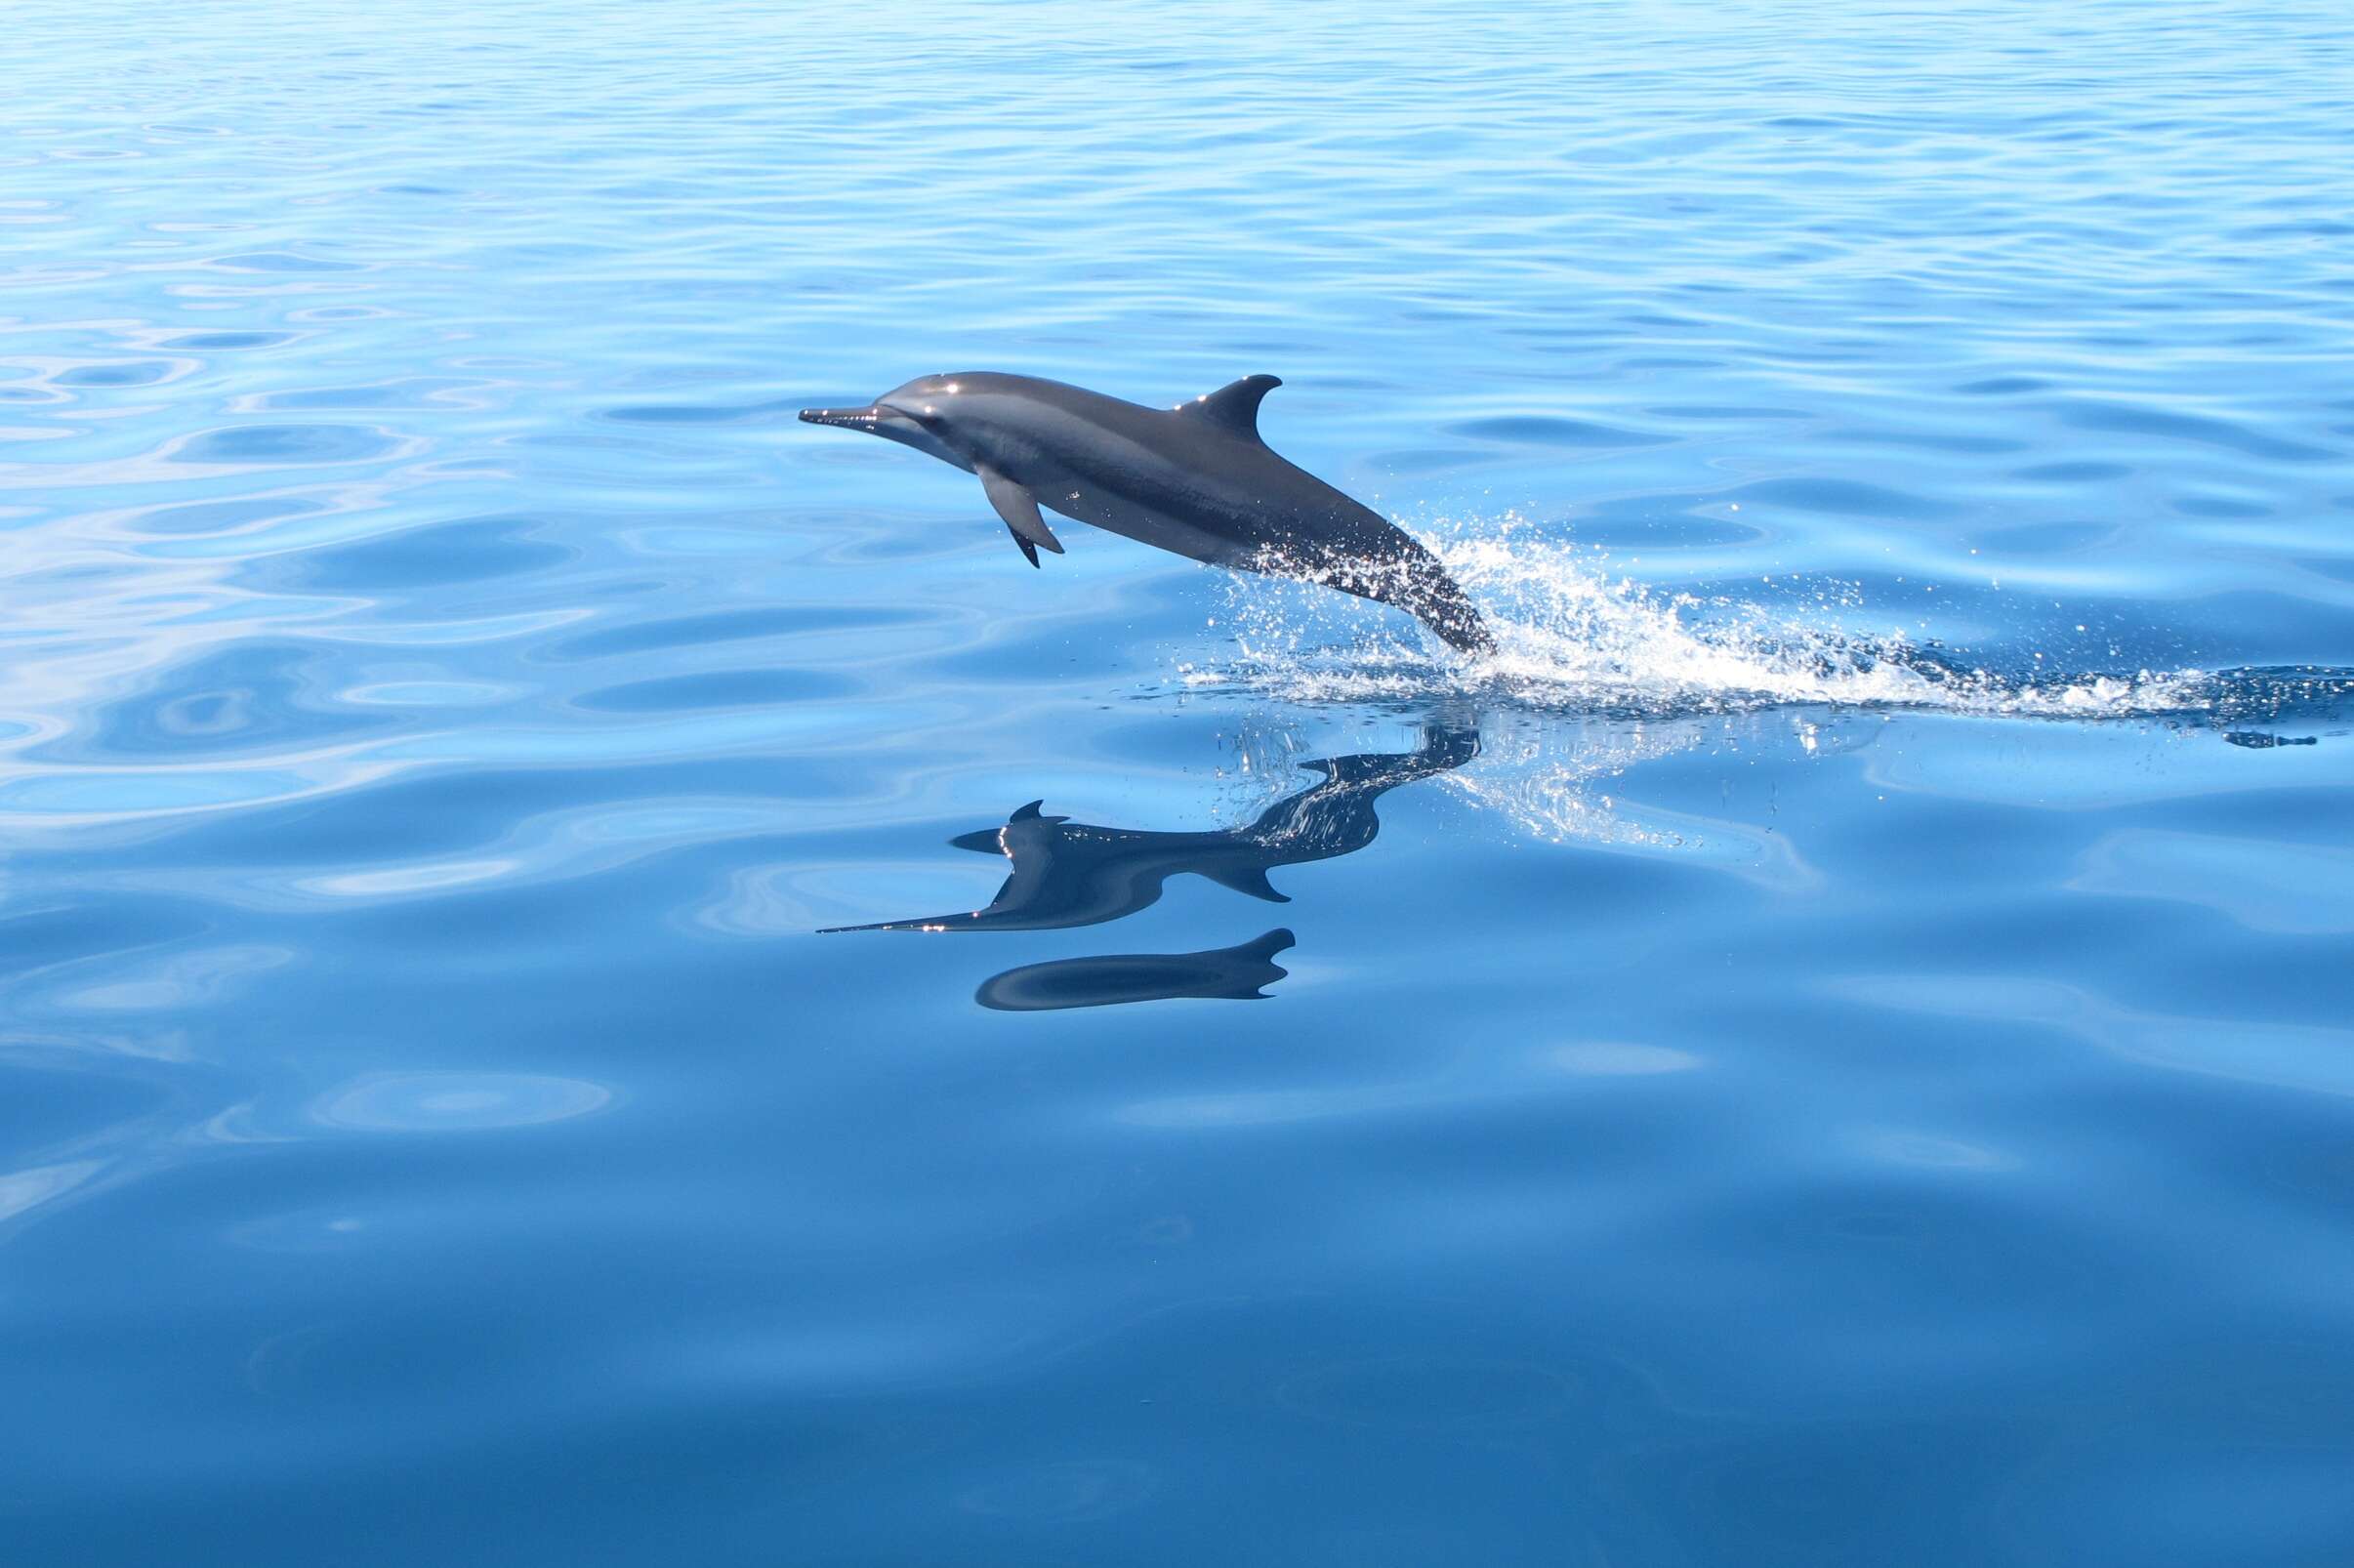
1227,973
1196,479
1061,873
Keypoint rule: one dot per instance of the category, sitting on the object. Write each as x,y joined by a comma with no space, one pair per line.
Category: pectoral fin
1019,508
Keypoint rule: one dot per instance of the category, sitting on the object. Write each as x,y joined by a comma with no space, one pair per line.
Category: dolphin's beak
892,425
848,418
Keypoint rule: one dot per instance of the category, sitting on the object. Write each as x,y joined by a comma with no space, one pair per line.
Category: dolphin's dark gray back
1197,479
1290,522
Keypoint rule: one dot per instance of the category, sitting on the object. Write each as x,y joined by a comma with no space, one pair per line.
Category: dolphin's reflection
1064,874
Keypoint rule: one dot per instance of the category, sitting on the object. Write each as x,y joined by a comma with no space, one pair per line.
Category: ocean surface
1835,1048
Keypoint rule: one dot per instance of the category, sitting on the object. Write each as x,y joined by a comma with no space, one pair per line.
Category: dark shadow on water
2278,694
1063,874
1233,974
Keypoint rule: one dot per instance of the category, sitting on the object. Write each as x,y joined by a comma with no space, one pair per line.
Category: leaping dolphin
1195,480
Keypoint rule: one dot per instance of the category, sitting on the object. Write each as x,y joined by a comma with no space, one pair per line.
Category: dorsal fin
1233,407
1266,947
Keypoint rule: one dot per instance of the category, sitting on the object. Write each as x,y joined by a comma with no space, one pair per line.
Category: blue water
1832,1048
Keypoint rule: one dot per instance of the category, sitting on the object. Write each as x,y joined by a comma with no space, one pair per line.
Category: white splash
1572,636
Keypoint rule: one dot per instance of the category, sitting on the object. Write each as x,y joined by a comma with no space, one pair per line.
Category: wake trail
1570,636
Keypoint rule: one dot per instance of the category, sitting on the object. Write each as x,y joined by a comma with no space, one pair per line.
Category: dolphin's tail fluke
1399,573
1427,593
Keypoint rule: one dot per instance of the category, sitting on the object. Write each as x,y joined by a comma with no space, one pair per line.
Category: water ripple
1847,1062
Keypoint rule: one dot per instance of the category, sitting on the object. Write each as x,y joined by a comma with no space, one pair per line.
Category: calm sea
1835,1049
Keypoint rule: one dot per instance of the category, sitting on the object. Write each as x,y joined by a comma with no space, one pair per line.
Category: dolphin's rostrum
1195,480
